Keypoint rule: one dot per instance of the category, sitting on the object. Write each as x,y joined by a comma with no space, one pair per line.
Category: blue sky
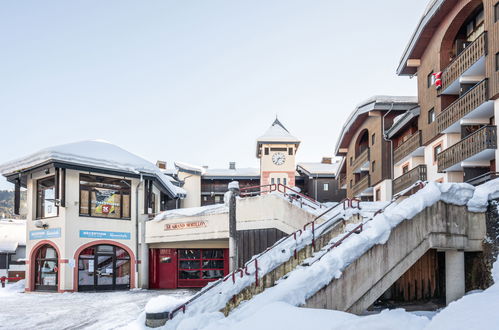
195,81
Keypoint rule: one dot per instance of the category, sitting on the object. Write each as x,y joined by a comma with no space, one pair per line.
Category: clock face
278,158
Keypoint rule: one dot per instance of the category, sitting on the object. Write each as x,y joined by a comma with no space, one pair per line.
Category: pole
234,191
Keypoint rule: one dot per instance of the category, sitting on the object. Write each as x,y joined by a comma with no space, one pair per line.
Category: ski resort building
12,248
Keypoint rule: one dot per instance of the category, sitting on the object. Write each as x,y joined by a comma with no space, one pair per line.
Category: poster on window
105,202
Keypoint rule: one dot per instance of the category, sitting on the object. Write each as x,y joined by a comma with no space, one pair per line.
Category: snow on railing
262,266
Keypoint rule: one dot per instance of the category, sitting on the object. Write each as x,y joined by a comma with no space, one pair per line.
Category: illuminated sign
185,225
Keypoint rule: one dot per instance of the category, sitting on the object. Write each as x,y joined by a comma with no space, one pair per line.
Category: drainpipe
137,231
385,137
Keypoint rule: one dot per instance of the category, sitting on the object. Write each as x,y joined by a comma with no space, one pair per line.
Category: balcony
472,104
470,62
408,148
406,180
214,188
476,181
476,149
362,185
361,161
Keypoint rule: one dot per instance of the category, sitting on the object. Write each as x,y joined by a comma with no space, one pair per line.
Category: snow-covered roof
227,172
12,235
192,212
96,154
277,133
319,169
186,167
377,102
401,121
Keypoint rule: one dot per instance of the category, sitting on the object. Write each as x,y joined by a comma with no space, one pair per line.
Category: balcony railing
408,146
406,180
216,188
342,180
360,159
463,105
476,181
361,185
465,60
483,139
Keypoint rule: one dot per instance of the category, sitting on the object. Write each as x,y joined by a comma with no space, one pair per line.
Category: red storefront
186,268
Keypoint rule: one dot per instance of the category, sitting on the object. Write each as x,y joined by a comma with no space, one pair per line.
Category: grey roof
189,168
318,169
431,9
277,133
377,102
402,120
227,172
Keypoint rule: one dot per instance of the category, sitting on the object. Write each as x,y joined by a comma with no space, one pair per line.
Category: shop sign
45,233
186,225
103,234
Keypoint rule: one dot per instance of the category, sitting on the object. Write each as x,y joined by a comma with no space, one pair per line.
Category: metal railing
478,180
361,185
483,139
463,105
465,60
360,159
418,173
408,146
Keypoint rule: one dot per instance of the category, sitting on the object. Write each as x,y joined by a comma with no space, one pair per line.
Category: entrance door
46,269
166,268
103,267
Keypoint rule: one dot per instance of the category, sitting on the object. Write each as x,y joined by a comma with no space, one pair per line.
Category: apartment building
452,137
366,170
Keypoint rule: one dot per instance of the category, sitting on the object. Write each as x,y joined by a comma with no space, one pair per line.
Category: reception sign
103,234
185,225
45,233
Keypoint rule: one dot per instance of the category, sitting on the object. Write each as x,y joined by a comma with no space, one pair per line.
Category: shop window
431,116
198,264
46,268
104,197
45,203
325,187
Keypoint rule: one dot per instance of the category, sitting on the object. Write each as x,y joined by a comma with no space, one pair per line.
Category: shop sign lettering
185,225
45,233
103,234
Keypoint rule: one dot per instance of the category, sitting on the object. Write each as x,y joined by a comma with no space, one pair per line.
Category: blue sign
103,234
45,233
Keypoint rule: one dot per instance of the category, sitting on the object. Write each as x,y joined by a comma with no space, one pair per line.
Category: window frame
39,208
325,187
496,12
430,79
438,145
431,116
89,215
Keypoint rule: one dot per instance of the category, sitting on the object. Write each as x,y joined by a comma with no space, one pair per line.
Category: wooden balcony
471,146
361,185
406,180
407,147
463,106
464,61
360,160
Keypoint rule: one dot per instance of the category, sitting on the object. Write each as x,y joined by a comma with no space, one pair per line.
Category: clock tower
277,152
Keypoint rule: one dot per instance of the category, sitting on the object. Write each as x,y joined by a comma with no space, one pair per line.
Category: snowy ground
107,310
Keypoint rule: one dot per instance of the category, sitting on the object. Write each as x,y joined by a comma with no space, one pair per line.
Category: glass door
46,269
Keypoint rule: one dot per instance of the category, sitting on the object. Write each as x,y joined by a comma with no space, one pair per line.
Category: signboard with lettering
186,225
103,234
45,233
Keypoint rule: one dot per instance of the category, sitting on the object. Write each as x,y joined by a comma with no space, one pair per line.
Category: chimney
161,164
327,160
232,165
205,167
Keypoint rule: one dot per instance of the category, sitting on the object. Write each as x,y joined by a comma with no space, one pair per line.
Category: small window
205,198
496,12
326,187
430,80
351,161
373,166
45,203
351,183
497,61
217,199
272,181
405,169
373,138
266,151
436,150
431,116
278,180
285,181
290,151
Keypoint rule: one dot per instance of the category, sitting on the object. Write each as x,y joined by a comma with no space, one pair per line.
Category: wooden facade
251,242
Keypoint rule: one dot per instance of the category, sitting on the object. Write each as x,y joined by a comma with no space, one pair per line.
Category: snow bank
164,303
484,193
12,288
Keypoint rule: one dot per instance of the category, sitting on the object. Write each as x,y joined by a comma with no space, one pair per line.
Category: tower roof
276,134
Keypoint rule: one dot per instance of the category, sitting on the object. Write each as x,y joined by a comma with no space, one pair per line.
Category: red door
163,270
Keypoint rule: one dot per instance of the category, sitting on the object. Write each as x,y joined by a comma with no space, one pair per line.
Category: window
217,199
373,166
266,151
373,138
45,203
285,181
104,197
326,187
351,183
497,61
46,264
436,150
430,80
290,151
278,180
272,181
351,161
496,12
431,116
200,264
405,168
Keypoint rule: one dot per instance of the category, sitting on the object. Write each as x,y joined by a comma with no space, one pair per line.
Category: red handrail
296,192
244,191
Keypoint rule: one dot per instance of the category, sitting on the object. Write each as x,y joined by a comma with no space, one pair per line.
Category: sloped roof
189,168
232,173
377,102
318,169
97,154
277,133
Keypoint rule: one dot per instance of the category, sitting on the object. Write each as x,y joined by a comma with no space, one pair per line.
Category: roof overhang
402,122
